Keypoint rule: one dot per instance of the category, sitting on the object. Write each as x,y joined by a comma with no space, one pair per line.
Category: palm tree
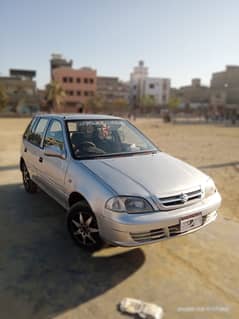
54,96
3,97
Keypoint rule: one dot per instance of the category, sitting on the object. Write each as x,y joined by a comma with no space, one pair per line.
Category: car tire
83,228
29,185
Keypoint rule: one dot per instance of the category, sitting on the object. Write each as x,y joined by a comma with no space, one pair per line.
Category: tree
120,105
54,96
95,103
173,103
147,102
3,97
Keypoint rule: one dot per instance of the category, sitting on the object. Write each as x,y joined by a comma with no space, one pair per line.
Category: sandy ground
44,275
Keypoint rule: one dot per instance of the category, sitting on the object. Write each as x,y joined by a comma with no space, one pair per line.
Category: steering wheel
87,144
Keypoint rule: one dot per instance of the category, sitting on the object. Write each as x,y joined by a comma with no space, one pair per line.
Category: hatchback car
117,186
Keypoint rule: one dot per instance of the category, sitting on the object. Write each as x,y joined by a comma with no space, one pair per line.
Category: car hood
141,175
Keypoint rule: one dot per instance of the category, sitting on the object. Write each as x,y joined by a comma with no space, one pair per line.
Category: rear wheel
28,183
82,225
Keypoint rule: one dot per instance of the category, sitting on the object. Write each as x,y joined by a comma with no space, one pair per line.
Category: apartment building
225,87
111,89
195,94
58,61
142,85
79,85
158,89
21,90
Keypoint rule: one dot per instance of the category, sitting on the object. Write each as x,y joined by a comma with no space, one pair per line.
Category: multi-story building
79,85
112,90
57,61
195,94
158,89
21,91
225,87
141,85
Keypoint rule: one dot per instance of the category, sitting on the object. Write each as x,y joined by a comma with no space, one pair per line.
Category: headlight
210,188
128,204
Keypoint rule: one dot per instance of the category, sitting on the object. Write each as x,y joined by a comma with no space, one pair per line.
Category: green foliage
3,97
147,101
95,103
120,105
174,103
54,95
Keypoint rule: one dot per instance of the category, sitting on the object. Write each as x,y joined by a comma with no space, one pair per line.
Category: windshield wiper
117,155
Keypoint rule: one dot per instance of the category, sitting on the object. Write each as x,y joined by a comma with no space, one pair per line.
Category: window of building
164,98
78,93
78,80
86,93
70,79
65,79
71,92
91,81
54,136
151,86
86,80
165,86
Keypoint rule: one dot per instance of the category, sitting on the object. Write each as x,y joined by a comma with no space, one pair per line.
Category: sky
178,39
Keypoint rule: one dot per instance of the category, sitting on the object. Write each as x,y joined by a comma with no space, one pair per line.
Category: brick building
79,85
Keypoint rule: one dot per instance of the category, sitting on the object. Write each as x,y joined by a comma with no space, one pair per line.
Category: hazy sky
179,39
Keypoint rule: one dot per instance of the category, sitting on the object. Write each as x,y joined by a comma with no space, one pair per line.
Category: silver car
117,186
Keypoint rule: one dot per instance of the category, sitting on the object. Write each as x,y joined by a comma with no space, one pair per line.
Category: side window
54,136
36,135
30,128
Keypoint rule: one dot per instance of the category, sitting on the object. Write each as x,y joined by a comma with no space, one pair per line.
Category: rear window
36,134
30,128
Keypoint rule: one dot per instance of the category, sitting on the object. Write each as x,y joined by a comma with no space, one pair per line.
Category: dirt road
44,275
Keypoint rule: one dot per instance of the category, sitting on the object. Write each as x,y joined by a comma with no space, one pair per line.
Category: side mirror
53,151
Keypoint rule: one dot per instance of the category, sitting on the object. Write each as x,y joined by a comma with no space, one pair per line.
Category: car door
26,148
32,147
52,169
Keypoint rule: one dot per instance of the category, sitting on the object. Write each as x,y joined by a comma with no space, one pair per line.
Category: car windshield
106,138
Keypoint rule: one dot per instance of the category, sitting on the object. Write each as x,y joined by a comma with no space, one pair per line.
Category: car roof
77,116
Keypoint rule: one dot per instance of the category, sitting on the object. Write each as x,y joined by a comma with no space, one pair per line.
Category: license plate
190,222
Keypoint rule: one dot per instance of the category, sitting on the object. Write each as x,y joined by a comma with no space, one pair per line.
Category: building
21,91
141,85
79,85
112,90
158,89
137,83
225,87
194,95
57,61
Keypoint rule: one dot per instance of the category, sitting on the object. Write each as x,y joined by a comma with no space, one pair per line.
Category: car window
36,135
30,128
54,136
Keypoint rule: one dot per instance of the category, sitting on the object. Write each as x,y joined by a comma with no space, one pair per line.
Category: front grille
151,235
181,199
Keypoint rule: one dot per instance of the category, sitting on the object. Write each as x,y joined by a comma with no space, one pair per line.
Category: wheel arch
76,197
21,163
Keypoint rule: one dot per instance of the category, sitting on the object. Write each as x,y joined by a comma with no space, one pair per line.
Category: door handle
40,159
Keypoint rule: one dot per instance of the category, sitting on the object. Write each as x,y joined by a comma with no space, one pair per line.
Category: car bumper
124,229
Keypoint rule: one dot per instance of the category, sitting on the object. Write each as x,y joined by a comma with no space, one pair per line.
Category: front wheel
82,225
28,183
